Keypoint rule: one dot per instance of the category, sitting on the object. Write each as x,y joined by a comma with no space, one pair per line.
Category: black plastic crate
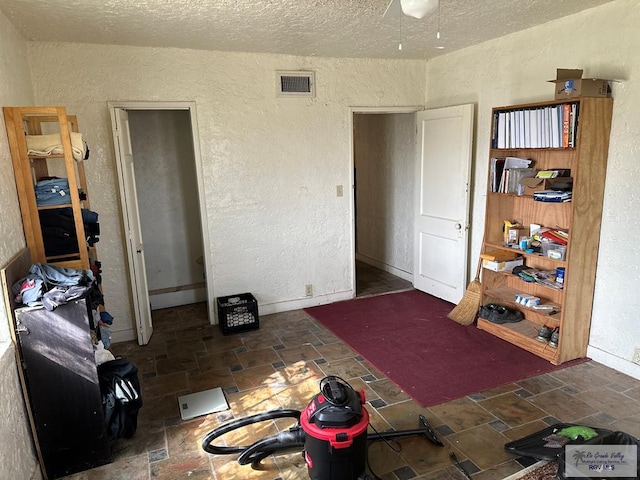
238,313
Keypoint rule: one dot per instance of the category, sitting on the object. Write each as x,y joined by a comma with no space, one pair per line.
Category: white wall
385,167
605,42
17,457
270,165
167,193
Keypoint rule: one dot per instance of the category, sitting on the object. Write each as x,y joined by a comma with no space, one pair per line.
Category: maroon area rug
408,337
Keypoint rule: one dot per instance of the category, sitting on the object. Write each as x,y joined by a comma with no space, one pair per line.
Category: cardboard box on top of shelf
535,184
569,83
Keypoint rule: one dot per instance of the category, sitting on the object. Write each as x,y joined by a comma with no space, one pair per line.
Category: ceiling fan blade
394,10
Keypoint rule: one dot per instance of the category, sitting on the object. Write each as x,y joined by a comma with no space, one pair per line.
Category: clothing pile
57,224
51,286
59,231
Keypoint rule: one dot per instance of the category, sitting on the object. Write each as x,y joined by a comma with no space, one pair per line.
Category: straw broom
465,312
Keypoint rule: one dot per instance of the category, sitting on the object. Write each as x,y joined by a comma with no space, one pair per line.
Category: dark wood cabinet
59,370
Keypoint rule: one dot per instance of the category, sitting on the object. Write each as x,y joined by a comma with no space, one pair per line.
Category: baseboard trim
306,302
408,276
176,298
123,335
263,309
620,364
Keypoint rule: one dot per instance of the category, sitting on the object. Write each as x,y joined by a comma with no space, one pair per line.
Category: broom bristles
465,312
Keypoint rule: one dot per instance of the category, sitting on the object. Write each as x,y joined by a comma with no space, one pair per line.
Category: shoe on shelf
486,310
544,334
501,314
553,341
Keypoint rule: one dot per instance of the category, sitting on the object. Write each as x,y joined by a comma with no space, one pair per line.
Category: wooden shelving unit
581,216
21,122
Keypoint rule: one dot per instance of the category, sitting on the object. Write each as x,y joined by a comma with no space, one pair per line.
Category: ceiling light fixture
438,32
418,8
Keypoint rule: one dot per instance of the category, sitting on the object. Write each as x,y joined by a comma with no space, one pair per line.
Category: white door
445,138
135,248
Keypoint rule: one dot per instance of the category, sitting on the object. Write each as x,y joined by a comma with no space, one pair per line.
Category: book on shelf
506,173
566,118
495,174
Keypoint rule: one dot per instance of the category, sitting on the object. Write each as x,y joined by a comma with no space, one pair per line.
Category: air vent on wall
296,84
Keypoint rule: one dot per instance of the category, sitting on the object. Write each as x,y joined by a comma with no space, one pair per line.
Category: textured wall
15,90
270,165
17,457
605,42
167,197
385,167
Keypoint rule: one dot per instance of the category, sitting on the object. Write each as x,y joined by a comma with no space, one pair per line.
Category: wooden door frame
191,108
359,111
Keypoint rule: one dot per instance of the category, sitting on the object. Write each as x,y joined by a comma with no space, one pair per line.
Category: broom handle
478,269
480,258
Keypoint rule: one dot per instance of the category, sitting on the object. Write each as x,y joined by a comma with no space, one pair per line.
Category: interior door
133,232
445,138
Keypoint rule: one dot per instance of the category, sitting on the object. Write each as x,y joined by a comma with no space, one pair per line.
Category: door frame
206,254
372,111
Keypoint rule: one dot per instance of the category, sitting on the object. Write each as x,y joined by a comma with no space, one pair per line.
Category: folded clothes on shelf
53,191
52,145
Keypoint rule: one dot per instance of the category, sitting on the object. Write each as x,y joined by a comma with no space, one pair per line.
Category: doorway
161,191
167,193
384,168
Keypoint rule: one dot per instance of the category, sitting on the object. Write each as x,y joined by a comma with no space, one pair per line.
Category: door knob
458,226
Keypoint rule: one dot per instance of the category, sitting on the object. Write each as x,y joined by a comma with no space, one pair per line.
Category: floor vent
296,84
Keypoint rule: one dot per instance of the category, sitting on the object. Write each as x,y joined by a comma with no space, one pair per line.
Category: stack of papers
506,173
552,196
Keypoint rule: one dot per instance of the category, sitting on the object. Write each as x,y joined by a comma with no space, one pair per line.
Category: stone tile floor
373,281
280,365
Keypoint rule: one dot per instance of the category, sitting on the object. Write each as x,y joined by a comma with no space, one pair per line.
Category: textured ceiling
327,28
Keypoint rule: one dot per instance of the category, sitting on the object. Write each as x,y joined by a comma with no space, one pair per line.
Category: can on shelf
560,275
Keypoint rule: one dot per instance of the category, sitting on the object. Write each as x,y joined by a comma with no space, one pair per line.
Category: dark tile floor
373,281
280,365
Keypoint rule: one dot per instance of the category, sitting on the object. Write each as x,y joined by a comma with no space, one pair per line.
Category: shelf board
505,151
505,296
50,155
75,264
54,207
521,334
524,254
537,284
61,258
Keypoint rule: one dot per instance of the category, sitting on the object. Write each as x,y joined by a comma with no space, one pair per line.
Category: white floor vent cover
202,403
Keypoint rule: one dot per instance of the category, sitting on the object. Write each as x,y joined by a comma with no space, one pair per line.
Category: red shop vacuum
331,430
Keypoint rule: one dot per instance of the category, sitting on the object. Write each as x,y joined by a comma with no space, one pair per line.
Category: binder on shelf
566,118
552,126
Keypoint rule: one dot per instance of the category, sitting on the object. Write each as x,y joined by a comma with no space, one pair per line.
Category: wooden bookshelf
587,161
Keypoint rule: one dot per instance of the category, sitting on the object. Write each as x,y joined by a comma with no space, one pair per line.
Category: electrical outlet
636,356
339,190
308,290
